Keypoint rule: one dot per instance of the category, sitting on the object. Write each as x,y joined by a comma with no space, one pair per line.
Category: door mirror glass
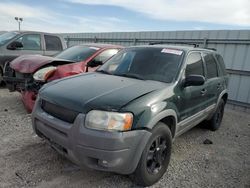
15,45
194,80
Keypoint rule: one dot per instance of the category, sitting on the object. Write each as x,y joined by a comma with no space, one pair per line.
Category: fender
220,97
217,103
162,115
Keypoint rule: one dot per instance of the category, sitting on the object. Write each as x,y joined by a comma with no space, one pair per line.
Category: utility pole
19,20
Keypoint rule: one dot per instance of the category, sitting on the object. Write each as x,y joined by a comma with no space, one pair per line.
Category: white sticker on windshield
171,51
95,48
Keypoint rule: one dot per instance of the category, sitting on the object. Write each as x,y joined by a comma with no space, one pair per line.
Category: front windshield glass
6,37
77,53
151,63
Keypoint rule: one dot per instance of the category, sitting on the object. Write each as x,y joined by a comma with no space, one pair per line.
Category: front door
193,99
31,45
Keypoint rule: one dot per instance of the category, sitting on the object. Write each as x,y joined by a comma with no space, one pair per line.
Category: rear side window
212,70
53,43
221,63
194,64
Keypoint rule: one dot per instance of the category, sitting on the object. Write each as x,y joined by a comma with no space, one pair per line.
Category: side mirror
194,80
14,45
94,63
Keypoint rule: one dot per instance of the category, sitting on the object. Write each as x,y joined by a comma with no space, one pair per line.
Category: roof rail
193,44
214,49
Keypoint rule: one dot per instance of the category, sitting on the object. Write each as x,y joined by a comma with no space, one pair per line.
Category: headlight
102,120
43,74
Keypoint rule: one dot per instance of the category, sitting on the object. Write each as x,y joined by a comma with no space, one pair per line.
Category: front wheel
155,157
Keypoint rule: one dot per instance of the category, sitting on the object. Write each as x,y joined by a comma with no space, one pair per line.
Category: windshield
6,37
77,53
151,63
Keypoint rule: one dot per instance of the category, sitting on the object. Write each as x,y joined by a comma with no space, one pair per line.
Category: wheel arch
225,97
168,117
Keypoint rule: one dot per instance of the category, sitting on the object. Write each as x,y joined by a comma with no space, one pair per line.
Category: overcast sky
124,15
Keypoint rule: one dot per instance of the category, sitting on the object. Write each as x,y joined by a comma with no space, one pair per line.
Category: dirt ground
27,161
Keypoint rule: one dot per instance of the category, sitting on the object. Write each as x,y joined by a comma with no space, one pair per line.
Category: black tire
1,77
149,169
215,122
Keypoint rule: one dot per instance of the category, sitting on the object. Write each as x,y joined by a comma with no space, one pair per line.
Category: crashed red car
28,73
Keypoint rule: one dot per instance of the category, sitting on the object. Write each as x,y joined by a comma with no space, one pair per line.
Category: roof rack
214,49
195,45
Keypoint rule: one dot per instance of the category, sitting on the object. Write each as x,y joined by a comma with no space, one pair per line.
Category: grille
59,112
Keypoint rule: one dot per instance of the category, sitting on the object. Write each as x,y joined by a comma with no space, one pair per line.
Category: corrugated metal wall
233,45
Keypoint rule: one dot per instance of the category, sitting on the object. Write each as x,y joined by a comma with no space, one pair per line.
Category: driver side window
105,55
194,64
30,41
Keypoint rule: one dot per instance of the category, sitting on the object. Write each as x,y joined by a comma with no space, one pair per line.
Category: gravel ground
27,161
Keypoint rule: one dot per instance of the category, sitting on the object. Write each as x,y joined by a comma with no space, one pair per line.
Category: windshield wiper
129,75
103,71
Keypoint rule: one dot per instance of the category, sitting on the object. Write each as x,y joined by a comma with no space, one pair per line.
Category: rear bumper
117,152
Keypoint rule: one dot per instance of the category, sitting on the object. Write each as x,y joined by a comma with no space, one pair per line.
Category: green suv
124,117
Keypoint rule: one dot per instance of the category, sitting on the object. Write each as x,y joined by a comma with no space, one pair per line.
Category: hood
30,63
96,91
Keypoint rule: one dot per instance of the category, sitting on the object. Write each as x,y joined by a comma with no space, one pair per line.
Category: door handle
203,92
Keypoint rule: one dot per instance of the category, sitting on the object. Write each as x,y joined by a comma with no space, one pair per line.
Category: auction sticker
171,51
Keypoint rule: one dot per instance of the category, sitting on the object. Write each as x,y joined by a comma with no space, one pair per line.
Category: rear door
213,81
53,45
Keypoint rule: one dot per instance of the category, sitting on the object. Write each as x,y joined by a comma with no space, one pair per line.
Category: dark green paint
145,99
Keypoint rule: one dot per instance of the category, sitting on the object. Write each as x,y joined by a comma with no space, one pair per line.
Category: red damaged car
28,73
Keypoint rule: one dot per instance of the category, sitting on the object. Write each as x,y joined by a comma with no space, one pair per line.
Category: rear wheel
155,157
215,122
1,77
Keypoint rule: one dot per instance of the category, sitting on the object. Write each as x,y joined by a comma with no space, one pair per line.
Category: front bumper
117,152
14,84
15,81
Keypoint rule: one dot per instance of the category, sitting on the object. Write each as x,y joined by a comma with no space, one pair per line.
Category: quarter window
30,42
194,64
53,43
221,63
211,66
